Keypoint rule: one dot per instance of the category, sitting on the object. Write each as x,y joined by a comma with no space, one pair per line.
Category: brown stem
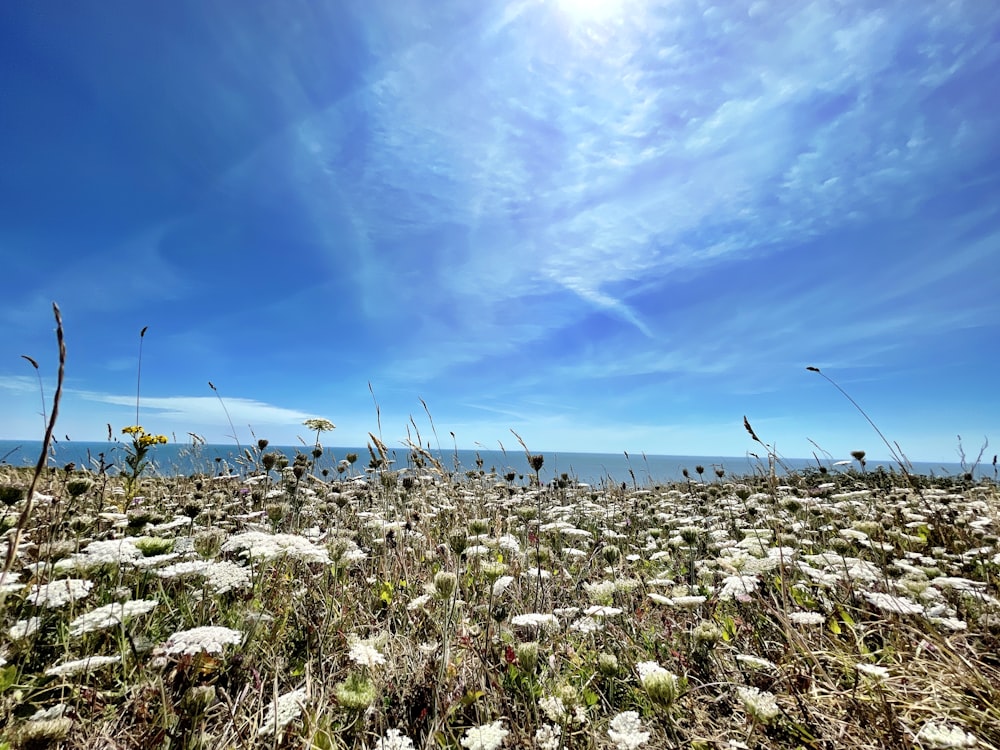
22,520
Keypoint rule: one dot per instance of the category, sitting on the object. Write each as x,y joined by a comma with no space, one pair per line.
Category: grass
420,607
432,606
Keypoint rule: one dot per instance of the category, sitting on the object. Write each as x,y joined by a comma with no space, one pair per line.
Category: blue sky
607,226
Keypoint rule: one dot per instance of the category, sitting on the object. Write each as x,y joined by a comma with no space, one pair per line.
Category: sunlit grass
829,610
420,606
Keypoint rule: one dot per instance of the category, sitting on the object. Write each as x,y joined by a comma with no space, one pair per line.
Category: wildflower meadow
392,607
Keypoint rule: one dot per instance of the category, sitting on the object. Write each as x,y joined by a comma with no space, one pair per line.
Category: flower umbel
485,737
626,731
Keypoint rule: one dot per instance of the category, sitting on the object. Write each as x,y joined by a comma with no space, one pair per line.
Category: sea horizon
589,467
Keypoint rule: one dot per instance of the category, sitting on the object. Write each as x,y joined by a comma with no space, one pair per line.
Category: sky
605,226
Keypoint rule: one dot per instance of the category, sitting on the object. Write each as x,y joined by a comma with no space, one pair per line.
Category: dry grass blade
22,521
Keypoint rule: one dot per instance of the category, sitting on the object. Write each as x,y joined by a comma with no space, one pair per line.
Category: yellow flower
133,430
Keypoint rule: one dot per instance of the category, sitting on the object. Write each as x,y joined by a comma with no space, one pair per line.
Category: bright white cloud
199,409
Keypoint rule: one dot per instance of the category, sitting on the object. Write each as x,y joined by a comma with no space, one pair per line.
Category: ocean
592,468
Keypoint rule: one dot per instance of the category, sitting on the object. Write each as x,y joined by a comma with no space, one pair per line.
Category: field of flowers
418,608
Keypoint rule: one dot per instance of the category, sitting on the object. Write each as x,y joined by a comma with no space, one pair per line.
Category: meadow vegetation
393,607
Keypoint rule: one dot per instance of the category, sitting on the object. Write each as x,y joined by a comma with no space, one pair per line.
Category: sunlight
590,10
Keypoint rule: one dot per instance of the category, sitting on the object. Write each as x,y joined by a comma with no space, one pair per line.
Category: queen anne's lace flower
626,731
755,662
940,735
602,611
394,740
501,584
60,592
283,711
807,618
208,639
547,736
759,704
586,625
81,665
535,619
553,707
23,628
364,654
184,568
485,737
738,587
894,604
110,615
873,670
260,546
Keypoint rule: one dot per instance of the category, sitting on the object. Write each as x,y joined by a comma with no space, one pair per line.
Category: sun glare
590,10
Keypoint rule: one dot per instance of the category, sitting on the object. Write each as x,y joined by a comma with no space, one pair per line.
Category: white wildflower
364,654
501,584
485,737
895,604
646,668
260,546
807,618
59,592
23,628
510,543
52,712
873,671
738,587
283,711
553,707
81,665
537,572
418,602
755,662
547,736
112,551
110,615
601,611
600,592
224,576
940,735
394,740
586,625
626,731
208,639
760,705
535,619
186,568
950,623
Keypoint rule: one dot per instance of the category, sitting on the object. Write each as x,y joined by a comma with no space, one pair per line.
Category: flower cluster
283,711
208,639
135,456
485,737
626,731
143,438
110,616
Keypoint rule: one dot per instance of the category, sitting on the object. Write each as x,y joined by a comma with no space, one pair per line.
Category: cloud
18,383
193,409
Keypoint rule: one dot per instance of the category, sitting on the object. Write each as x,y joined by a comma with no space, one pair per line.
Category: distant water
593,468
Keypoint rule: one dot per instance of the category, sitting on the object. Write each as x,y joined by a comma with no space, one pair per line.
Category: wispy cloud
198,409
